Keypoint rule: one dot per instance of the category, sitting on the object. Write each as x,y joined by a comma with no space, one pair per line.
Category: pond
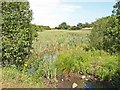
87,82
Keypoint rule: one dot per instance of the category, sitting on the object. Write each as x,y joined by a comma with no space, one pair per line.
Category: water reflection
49,56
89,85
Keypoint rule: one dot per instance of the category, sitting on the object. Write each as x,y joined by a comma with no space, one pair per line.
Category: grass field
60,38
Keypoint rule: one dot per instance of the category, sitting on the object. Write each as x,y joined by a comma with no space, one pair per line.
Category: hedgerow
16,32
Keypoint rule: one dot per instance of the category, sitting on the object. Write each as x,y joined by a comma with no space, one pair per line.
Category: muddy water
92,82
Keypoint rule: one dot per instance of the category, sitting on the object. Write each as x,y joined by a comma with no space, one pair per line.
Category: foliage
98,63
73,28
38,28
79,26
35,29
105,34
63,26
46,27
48,59
117,9
41,66
86,25
16,32
47,62
19,79
83,25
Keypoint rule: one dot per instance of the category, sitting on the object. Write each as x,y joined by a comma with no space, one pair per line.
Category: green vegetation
93,62
62,38
51,60
105,34
30,56
45,27
18,79
79,26
16,34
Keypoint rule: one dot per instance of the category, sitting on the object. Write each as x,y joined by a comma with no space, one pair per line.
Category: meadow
56,39
61,52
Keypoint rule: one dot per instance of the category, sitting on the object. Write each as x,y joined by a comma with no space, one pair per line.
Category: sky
53,12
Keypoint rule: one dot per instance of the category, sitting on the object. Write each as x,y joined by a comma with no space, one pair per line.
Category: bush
74,28
105,34
35,29
16,32
46,27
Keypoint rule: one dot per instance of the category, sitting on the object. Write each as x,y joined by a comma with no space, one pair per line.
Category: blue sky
53,12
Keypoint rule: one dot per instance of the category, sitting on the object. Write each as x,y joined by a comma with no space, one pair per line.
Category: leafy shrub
46,27
16,32
74,28
35,29
41,27
105,34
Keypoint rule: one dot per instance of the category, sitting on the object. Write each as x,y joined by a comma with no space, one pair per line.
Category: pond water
82,83
50,56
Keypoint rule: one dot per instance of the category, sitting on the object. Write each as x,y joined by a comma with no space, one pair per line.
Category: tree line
79,26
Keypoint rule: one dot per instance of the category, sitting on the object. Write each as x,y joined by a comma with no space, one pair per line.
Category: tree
68,27
63,25
86,25
74,28
79,25
116,9
16,32
105,34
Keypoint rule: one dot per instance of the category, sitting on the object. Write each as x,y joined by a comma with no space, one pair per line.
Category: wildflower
25,64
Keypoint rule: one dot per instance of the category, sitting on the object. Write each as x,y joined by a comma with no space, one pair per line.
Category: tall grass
98,63
19,79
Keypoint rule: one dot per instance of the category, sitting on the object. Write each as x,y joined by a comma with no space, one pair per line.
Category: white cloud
69,7
50,12
42,10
